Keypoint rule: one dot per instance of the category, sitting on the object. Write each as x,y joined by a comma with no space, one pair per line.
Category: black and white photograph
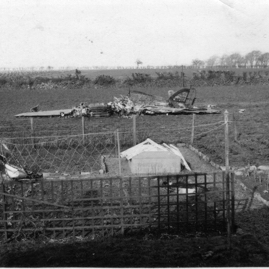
134,133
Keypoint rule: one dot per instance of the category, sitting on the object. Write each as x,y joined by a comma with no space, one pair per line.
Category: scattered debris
92,110
207,254
180,102
263,167
251,170
35,108
14,172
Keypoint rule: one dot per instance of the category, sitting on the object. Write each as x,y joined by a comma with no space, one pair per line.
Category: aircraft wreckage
179,102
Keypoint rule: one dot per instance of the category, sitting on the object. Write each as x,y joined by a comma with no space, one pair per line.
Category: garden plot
75,207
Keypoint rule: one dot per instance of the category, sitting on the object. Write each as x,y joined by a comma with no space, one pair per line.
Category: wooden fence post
32,130
226,119
118,143
134,130
4,208
235,128
83,128
192,128
227,178
121,207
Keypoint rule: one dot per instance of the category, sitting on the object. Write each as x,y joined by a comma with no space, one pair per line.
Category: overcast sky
117,32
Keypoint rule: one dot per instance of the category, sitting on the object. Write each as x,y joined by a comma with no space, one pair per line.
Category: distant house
149,157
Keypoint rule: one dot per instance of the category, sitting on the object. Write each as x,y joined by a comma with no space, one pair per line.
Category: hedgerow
43,80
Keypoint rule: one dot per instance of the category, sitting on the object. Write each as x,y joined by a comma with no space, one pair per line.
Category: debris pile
179,102
13,172
124,106
80,110
92,110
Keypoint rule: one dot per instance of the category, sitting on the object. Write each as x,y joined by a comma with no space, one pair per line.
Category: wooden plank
159,202
92,204
81,218
122,213
42,198
33,211
187,203
196,204
233,201
177,205
33,200
56,178
72,204
168,202
101,194
223,197
4,212
215,207
52,195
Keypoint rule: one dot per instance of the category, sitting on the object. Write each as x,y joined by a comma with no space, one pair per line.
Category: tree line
253,59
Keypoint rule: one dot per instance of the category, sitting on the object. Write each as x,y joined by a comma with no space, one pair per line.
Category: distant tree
138,62
235,59
242,62
223,60
252,58
196,63
212,61
264,59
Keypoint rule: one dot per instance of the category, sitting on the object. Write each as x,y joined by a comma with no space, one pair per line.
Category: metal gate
184,203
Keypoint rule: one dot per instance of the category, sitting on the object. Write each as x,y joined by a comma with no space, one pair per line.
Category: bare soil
165,251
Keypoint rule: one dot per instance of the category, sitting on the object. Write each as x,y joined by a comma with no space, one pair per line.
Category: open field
253,127
251,148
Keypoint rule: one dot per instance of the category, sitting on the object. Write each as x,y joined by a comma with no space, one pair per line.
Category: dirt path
197,164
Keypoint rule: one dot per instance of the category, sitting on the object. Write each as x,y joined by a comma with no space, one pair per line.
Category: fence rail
185,203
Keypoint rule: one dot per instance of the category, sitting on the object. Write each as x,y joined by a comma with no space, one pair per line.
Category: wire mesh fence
70,146
77,153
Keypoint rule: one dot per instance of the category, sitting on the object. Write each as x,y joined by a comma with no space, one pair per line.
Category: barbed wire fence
77,149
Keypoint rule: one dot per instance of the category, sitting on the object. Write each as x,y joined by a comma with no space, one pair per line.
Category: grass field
253,127
251,147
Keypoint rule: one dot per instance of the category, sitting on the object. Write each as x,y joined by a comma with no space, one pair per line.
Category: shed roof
150,146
